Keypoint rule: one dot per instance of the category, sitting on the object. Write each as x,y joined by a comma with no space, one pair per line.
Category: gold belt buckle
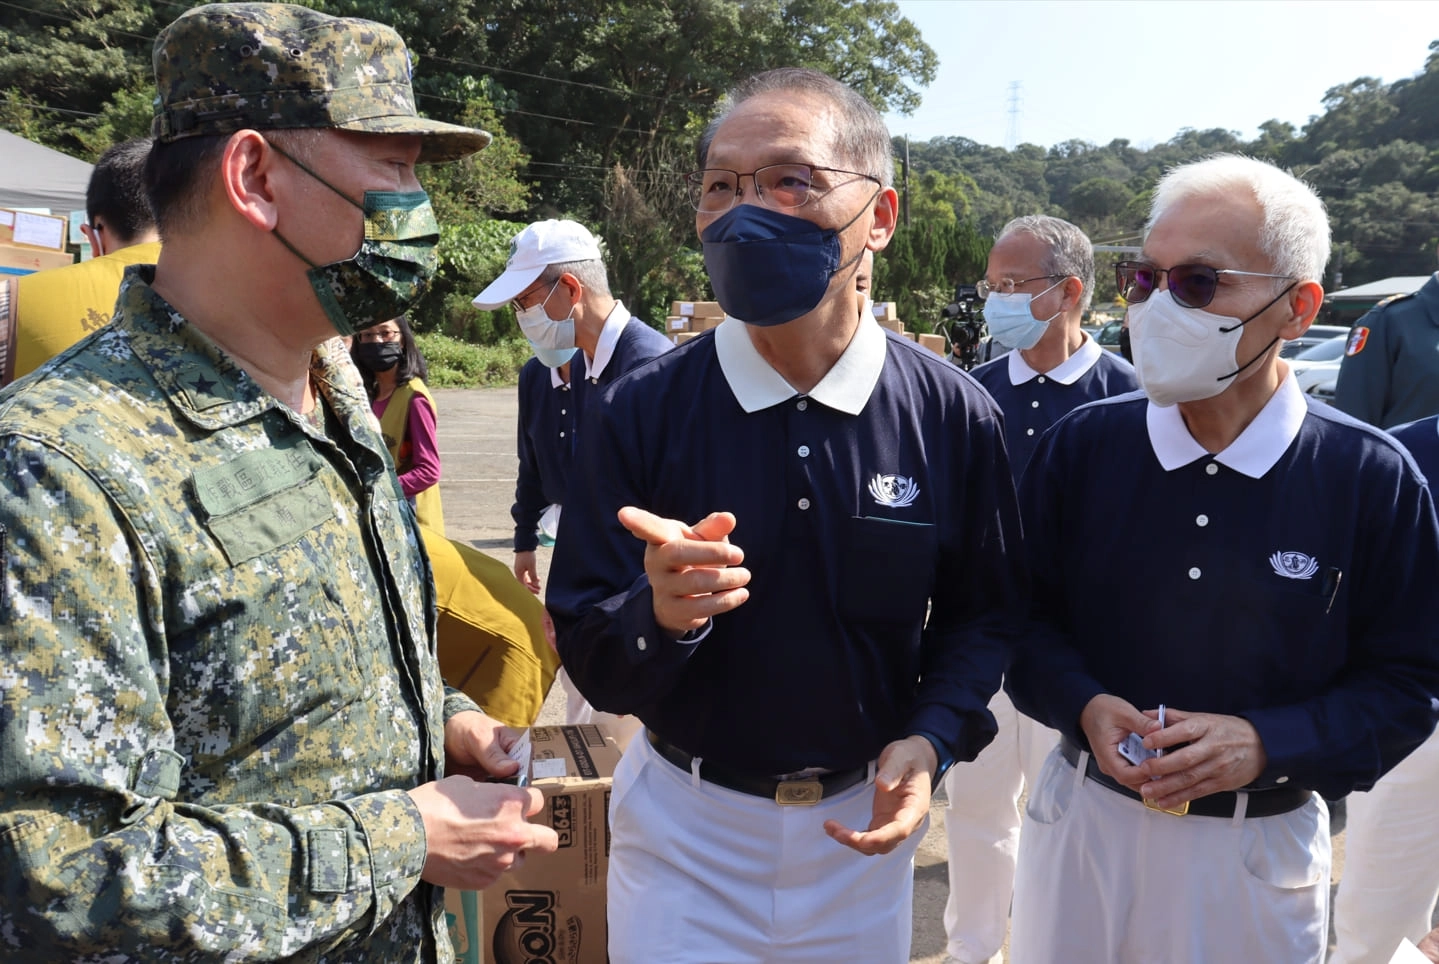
798,793
1179,811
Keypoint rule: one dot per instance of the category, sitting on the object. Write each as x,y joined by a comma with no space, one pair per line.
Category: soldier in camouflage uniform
223,733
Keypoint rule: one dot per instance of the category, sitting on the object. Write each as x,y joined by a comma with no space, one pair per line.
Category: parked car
1317,367
1108,336
1316,335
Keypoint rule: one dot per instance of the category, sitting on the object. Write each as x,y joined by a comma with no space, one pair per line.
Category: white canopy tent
34,176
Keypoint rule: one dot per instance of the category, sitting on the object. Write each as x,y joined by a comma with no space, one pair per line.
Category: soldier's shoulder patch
1358,338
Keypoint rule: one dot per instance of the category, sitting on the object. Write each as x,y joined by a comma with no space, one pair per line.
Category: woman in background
394,372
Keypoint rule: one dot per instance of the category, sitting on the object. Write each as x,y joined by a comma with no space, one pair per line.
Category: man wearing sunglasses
1275,642
1037,284
793,559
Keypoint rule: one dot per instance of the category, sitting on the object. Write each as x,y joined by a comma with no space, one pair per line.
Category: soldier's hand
527,571
694,571
474,831
478,746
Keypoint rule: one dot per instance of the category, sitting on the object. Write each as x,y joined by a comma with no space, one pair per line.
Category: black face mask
378,356
1124,345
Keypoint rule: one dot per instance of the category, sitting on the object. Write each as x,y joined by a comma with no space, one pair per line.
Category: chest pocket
886,569
263,500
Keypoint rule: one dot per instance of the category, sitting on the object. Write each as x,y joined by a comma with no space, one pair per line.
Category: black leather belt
1262,803
803,792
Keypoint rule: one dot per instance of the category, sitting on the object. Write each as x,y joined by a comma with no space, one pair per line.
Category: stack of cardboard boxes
886,313
551,907
688,318
31,242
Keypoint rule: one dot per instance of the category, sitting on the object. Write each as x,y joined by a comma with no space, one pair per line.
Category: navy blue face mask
768,267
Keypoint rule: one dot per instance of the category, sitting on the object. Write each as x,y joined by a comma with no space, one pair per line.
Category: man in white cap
557,283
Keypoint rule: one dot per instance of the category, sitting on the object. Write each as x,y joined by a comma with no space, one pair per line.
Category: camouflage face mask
393,268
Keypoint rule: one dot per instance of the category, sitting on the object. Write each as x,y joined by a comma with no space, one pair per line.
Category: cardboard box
886,311
908,334
676,323
18,260
934,343
30,230
696,309
679,338
893,324
552,908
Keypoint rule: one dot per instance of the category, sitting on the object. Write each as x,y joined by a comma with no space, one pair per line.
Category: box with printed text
551,907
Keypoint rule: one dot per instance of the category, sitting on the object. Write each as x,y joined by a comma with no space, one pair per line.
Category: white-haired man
1038,281
1276,559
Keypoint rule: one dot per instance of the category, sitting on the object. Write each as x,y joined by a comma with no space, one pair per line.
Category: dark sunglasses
1192,285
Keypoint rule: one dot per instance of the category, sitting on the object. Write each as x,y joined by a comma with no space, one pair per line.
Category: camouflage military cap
226,67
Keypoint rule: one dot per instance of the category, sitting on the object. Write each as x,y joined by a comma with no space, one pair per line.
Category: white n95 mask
1186,354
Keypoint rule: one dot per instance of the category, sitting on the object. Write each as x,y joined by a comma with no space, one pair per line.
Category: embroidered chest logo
895,491
1293,565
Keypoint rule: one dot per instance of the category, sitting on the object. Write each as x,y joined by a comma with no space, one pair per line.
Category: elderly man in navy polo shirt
768,515
1272,633
1037,283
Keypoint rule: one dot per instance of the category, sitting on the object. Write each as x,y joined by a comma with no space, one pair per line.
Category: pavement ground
477,433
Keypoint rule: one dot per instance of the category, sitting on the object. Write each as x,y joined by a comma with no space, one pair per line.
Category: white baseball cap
531,251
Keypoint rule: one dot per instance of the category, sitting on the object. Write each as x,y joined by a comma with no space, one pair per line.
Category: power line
57,110
65,19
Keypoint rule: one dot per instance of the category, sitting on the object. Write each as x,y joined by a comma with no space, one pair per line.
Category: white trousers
1104,880
578,710
704,875
1391,862
981,824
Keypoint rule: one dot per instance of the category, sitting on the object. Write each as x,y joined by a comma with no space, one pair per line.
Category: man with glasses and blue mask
1038,281
1275,640
770,513
223,732
557,283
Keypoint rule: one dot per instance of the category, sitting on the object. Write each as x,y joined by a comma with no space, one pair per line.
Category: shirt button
803,503
1033,404
1202,520
801,404
803,451
562,435
564,412
640,643
1194,573
1040,379
1029,431
1211,469
1281,779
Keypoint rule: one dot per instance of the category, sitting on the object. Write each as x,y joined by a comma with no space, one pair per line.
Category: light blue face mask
553,341
1010,321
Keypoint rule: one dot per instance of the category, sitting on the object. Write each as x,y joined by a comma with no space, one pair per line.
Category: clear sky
1096,70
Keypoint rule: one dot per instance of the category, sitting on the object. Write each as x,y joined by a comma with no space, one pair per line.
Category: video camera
962,325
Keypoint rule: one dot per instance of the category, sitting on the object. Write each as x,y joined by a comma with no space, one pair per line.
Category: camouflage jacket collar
203,382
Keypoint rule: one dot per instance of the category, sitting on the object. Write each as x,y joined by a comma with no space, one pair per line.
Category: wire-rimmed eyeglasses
782,187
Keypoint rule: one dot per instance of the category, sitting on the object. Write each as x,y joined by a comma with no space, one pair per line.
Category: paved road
477,448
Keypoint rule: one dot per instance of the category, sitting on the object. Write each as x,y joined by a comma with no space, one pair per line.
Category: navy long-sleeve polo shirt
1289,579
1033,401
882,494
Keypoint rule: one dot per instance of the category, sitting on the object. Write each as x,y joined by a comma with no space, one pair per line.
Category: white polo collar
615,322
1066,372
1262,443
555,380
845,387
